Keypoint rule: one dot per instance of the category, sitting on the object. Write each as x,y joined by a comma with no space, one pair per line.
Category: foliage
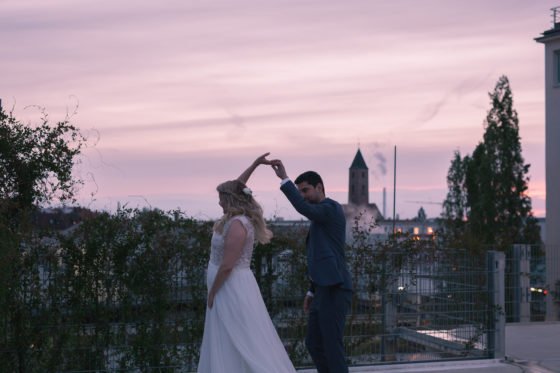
134,278
127,291
35,169
487,202
280,269
36,162
455,204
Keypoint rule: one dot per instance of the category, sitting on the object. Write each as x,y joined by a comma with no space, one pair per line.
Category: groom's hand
279,169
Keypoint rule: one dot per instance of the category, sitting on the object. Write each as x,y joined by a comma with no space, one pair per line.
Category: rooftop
554,31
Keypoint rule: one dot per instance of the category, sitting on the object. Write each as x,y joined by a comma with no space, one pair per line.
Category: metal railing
445,305
555,17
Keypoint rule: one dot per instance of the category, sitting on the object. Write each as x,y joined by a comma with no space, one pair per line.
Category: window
557,67
416,231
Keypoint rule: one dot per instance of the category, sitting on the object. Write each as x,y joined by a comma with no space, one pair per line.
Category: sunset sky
177,96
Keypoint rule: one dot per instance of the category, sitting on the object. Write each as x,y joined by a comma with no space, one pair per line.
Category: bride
238,333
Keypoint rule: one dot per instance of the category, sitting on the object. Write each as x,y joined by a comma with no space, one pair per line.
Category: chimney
384,201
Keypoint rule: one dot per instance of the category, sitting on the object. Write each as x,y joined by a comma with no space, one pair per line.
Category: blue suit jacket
326,261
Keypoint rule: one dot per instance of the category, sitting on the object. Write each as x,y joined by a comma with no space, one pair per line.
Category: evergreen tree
490,187
455,204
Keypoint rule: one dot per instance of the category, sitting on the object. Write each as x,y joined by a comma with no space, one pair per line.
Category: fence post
552,279
521,302
496,262
389,321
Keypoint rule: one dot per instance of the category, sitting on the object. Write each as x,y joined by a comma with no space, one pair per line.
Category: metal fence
445,305
441,306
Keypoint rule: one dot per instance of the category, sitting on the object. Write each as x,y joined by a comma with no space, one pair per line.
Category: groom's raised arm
312,211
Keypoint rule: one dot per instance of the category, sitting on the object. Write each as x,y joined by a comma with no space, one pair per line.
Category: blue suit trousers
325,328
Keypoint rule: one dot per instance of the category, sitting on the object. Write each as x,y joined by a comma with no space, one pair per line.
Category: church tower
551,41
358,188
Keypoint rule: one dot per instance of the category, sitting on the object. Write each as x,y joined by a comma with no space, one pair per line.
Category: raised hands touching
244,177
276,164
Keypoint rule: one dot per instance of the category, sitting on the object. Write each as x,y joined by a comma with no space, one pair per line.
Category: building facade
551,40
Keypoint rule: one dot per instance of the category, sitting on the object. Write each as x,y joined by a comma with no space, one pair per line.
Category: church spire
358,188
359,162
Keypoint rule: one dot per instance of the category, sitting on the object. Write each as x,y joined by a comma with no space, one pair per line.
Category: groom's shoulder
336,206
332,202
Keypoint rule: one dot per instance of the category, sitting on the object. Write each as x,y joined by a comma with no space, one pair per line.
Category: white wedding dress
239,336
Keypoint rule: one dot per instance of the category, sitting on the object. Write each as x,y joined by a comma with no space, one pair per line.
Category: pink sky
184,94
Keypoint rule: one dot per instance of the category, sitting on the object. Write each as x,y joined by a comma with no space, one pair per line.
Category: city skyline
179,96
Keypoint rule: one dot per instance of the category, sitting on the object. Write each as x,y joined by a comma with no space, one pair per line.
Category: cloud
191,79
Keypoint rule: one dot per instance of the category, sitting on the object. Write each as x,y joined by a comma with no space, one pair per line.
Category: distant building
61,218
359,206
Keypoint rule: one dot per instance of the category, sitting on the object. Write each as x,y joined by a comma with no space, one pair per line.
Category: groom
328,300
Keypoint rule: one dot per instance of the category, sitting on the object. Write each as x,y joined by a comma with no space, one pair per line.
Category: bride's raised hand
262,159
244,177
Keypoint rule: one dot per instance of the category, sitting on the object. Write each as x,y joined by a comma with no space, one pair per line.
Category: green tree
35,169
36,162
489,188
455,204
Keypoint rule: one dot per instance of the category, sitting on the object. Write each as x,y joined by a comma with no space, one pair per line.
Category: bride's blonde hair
238,200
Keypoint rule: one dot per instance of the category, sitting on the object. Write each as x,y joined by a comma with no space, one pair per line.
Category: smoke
378,162
381,163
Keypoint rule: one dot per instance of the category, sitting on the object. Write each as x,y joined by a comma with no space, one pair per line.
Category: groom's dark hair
311,178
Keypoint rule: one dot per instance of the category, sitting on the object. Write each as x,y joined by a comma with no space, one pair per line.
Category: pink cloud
185,93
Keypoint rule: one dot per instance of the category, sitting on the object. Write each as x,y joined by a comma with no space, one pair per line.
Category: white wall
552,117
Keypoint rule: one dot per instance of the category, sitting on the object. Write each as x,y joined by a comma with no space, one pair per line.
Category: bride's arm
233,248
244,177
